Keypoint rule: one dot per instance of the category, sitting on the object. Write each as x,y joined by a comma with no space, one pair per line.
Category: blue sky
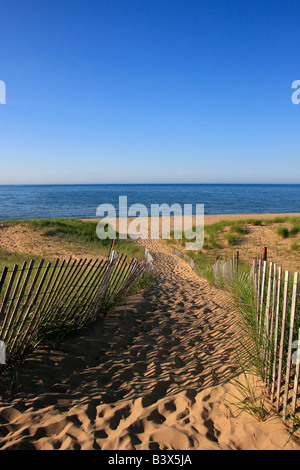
154,91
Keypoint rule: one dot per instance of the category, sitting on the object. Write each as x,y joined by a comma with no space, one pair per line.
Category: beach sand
250,245
154,374
22,239
208,219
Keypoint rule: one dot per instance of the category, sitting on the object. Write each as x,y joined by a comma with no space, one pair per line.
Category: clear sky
154,91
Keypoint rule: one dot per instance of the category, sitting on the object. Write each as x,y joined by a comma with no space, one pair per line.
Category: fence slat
262,293
54,288
258,287
276,334
3,277
117,277
16,288
268,303
90,293
281,347
13,308
97,303
81,281
122,270
269,321
27,313
288,367
18,318
296,380
44,295
254,268
273,303
6,297
66,281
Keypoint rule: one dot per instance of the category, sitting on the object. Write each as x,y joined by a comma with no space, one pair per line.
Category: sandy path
151,375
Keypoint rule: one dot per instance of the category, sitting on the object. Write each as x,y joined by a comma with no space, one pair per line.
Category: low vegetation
224,238
9,259
69,233
283,232
78,231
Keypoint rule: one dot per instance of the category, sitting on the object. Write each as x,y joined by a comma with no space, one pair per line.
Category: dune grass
70,231
283,232
231,239
295,228
75,230
233,232
8,259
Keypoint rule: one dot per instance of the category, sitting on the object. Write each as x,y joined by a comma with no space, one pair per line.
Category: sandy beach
149,228
209,218
154,374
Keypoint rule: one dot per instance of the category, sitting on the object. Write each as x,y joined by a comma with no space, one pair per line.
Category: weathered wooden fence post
289,358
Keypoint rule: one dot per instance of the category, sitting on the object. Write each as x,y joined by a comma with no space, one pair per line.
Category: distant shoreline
149,184
208,218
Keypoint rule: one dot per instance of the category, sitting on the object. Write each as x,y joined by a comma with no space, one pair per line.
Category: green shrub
238,228
283,232
230,239
295,229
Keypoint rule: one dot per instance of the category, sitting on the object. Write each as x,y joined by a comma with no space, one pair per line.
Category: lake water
81,201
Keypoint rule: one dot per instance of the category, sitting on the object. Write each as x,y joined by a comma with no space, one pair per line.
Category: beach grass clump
145,281
231,239
201,259
209,275
250,396
238,228
294,246
256,222
205,244
295,229
147,278
283,232
279,220
213,240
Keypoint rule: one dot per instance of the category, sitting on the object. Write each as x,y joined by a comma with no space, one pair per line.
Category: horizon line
143,184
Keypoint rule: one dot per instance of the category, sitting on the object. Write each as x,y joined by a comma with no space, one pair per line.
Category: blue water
81,201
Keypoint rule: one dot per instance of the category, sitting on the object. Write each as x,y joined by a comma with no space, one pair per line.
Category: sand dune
152,375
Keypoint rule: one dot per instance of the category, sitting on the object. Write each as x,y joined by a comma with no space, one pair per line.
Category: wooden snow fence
276,299
36,301
277,305
277,319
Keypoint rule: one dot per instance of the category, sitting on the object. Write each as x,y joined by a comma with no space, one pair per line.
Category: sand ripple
152,375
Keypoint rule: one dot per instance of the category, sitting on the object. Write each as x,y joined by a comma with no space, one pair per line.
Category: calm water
81,201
